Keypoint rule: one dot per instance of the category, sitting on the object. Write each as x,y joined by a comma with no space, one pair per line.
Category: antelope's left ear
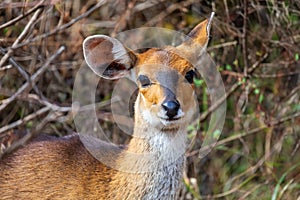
198,38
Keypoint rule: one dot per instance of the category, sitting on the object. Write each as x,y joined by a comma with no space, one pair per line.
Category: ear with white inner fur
107,57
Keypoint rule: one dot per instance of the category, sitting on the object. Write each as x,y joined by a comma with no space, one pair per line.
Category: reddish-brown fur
54,168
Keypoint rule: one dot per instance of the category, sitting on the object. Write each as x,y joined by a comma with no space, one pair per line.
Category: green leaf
275,37
276,191
5,31
296,107
29,124
236,62
294,18
256,91
228,67
220,68
216,134
190,128
198,82
296,56
261,98
242,81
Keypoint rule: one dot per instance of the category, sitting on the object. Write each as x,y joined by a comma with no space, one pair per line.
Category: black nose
171,107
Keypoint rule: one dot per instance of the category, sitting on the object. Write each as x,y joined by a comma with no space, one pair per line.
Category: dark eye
189,76
144,80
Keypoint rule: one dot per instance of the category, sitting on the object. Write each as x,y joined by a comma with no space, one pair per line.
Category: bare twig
22,71
247,133
232,73
121,24
248,172
52,106
169,10
256,64
146,5
226,10
233,88
51,116
279,75
62,27
25,119
212,108
33,79
244,39
226,44
18,18
21,36
27,4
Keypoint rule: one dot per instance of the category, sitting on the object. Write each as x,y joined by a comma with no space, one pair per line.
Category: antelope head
164,76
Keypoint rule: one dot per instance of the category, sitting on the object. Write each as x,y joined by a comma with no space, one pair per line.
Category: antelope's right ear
107,57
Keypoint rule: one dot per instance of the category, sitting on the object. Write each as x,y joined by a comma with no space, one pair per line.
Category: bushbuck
62,168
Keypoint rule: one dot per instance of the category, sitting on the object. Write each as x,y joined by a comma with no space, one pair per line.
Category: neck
153,164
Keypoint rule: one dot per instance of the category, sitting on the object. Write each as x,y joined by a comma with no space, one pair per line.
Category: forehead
163,59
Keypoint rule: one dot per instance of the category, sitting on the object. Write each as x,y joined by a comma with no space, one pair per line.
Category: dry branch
24,120
34,78
21,36
28,136
62,27
20,17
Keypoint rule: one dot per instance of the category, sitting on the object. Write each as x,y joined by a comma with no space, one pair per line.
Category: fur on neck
152,166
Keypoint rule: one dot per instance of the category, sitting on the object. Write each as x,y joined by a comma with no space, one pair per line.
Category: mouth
170,121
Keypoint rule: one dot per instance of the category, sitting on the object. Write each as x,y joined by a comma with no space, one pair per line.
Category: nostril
171,107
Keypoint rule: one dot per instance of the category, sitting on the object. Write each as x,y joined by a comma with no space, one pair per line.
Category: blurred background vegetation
255,45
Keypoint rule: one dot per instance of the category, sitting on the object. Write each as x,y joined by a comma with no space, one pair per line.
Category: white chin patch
169,123
150,118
